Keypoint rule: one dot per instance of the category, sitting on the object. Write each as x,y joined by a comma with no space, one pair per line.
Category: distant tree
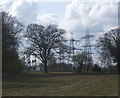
10,32
44,41
109,46
80,60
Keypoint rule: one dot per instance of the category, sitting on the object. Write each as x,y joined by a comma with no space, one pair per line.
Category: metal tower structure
70,50
72,47
72,44
87,46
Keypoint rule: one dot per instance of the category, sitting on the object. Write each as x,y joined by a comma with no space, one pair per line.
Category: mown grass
61,84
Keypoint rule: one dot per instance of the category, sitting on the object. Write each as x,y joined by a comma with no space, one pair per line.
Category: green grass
61,84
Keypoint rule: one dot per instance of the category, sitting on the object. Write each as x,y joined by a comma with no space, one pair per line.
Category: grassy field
61,84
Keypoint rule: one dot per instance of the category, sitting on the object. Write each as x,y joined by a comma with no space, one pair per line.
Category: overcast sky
72,15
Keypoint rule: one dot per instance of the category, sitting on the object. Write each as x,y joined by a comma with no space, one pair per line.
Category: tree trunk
87,70
88,67
118,52
41,68
118,57
118,65
45,67
80,68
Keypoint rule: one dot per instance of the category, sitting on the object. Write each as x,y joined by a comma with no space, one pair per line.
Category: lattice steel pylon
72,44
87,49
87,46
72,47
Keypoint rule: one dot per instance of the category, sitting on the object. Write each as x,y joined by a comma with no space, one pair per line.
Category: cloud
24,11
47,19
79,14
98,16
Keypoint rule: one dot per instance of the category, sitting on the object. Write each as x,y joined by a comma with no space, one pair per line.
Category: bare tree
44,41
109,45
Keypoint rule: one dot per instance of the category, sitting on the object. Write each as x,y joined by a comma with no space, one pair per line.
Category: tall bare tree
44,41
109,45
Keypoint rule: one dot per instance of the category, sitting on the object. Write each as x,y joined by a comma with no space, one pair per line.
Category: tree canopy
44,41
10,31
109,45
81,59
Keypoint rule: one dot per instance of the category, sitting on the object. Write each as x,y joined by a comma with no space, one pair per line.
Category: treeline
45,43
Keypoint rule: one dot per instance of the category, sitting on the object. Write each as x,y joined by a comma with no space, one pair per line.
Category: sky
72,15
